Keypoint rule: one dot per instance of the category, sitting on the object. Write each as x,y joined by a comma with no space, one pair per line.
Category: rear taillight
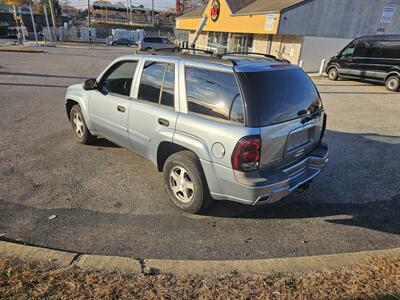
324,126
246,156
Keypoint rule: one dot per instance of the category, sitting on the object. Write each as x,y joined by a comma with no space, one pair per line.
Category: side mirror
90,84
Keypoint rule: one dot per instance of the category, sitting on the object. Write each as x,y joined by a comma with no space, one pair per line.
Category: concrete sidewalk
130,265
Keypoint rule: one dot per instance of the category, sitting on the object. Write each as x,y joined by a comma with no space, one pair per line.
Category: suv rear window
279,95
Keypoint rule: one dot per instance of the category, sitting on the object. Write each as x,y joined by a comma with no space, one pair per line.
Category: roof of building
261,6
194,13
246,7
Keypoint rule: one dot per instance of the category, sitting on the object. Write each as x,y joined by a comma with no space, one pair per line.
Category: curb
186,267
26,50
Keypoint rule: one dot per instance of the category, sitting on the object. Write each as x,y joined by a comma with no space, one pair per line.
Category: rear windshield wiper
310,117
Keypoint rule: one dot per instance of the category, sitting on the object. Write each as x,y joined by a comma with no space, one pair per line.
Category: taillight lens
324,126
246,156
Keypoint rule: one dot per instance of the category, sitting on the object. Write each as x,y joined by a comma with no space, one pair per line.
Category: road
110,201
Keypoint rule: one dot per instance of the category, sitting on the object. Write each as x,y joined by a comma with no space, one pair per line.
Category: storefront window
218,41
241,42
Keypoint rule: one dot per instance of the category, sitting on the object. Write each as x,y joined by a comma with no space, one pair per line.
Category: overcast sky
158,4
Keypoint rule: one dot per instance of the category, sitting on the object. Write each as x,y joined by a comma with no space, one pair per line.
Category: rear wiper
310,117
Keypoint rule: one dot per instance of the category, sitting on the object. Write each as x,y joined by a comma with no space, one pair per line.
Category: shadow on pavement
379,215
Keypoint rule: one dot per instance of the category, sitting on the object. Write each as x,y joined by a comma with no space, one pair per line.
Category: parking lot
110,201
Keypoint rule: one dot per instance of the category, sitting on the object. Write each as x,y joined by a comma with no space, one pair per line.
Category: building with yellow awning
297,30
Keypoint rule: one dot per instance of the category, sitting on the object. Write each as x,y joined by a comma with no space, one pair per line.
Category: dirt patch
379,279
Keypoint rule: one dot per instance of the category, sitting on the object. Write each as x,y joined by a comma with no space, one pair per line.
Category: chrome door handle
121,108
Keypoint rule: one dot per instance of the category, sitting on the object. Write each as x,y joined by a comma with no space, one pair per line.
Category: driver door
109,104
346,60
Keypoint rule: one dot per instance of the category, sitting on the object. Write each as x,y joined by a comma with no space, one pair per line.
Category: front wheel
185,182
392,83
79,126
333,74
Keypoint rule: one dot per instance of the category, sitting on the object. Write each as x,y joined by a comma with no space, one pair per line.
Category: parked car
374,58
155,43
121,41
240,129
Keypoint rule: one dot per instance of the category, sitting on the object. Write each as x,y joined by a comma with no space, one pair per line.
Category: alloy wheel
181,184
79,125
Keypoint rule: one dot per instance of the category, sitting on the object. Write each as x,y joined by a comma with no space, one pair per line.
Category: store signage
387,15
215,10
270,21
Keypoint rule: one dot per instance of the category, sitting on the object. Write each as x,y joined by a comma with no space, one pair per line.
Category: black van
374,58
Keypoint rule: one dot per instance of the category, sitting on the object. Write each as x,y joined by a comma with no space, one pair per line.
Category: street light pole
52,13
89,13
47,22
34,26
152,11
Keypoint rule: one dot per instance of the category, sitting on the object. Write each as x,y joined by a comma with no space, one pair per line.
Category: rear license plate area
299,139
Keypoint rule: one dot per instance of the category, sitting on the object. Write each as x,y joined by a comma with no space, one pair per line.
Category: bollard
321,69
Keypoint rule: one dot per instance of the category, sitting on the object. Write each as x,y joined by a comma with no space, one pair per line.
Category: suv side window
157,83
118,79
368,49
391,49
214,94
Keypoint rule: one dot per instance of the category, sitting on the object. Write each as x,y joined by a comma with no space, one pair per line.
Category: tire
82,133
113,44
128,45
185,182
392,83
149,49
333,74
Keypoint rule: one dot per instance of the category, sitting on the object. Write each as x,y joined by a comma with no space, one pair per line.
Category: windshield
280,95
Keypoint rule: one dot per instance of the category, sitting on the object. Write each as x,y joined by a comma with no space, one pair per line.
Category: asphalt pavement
110,201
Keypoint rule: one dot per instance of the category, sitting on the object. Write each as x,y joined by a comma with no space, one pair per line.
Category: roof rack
176,49
254,53
190,55
198,50
247,53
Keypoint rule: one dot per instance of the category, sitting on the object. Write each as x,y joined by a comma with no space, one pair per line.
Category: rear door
154,109
289,112
390,59
366,59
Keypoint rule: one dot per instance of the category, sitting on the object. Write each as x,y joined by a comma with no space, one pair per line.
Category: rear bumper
266,187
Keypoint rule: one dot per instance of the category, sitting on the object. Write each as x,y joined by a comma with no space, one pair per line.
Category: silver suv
236,128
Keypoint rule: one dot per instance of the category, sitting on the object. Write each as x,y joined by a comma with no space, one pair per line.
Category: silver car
232,128
155,43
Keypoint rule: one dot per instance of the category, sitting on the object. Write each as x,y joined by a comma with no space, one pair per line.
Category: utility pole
152,11
47,22
34,26
130,11
88,12
127,11
52,13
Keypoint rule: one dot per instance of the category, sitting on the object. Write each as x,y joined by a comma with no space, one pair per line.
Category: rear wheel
185,182
79,126
149,49
392,83
333,74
